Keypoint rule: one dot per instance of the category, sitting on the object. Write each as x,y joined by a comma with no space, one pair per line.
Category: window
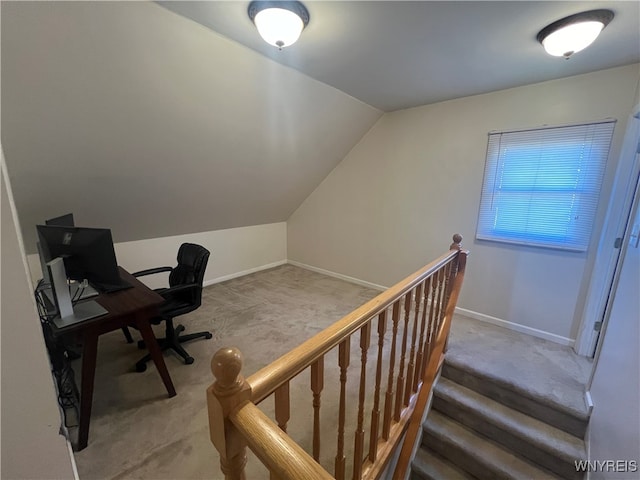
541,186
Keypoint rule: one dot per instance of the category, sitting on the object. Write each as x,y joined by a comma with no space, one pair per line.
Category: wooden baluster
408,389
317,384
283,412
283,406
448,269
375,412
403,351
439,307
358,448
441,302
228,391
421,342
388,396
432,314
343,362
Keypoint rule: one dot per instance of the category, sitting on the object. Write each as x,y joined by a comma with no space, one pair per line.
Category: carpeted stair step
526,436
475,454
428,465
544,409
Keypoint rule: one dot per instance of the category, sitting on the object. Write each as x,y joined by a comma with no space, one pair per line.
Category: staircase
482,427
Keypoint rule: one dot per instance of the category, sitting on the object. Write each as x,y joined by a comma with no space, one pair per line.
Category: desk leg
156,354
89,353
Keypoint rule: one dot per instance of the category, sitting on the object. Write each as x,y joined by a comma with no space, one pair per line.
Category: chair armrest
151,271
177,289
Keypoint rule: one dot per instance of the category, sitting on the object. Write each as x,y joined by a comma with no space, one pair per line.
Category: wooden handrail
407,451
266,380
283,457
428,298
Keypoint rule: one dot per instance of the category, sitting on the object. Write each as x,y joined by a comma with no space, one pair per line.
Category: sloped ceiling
140,120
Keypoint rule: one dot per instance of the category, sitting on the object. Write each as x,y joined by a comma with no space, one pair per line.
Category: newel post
457,242
453,267
456,245
227,393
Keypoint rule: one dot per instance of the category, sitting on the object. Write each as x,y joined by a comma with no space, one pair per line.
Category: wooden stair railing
416,312
434,364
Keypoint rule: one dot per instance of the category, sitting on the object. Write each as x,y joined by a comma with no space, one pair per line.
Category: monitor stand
69,314
87,292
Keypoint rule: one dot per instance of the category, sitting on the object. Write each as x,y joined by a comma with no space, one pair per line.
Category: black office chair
184,295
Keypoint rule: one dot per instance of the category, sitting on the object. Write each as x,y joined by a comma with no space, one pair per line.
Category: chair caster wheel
141,344
188,360
208,336
141,366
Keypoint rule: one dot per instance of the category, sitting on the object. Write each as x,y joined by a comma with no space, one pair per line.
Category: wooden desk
134,306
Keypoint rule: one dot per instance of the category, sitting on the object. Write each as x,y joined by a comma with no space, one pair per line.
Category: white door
626,279
608,257
614,429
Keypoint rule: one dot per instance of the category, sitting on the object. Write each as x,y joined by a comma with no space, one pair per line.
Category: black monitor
63,220
87,253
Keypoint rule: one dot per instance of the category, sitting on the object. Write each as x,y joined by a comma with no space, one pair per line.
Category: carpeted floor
138,433
544,369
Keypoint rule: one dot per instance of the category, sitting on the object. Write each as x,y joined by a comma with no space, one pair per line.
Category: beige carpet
545,370
138,433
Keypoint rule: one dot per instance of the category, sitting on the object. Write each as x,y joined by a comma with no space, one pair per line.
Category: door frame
608,257
626,241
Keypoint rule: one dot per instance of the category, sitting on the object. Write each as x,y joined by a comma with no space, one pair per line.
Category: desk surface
119,304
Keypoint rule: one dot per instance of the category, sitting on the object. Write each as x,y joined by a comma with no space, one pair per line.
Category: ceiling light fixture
279,23
573,33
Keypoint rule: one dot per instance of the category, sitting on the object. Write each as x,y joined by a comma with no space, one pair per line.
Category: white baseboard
224,278
74,467
516,326
329,273
462,311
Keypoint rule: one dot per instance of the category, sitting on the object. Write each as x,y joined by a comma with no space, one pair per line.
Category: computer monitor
62,221
87,253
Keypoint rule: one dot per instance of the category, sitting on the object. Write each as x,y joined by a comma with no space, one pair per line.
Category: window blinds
541,187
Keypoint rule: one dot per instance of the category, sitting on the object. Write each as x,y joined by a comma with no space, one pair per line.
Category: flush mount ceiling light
279,22
574,33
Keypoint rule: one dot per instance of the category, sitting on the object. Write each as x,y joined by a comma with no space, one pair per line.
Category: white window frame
541,186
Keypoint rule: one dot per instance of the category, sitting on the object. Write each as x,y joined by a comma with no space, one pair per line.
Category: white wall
415,179
160,126
234,252
614,429
31,444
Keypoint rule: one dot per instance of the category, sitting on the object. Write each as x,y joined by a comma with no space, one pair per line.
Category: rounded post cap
457,240
226,365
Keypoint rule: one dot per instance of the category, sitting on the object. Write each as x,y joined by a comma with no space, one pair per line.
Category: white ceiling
162,126
394,55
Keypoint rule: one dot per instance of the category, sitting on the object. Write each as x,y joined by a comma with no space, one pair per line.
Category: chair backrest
192,263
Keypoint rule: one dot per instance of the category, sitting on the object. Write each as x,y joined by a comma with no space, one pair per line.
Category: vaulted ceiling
164,119
139,120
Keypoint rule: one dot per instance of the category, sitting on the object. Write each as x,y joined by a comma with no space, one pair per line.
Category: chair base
172,341
127,334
